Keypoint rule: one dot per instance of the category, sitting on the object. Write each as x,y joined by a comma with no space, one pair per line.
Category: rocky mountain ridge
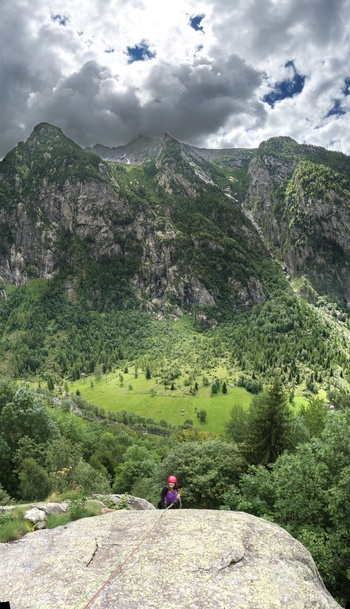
169,224
146,148
64,211
298,198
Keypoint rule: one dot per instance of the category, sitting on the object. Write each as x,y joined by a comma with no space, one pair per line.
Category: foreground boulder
36,515
129,502
182,558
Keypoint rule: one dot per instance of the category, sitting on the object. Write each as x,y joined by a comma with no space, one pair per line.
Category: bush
89,479
76,508
35,483
12,525
205,470
202,415
5,498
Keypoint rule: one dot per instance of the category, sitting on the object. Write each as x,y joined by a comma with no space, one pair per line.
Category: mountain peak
45,128
45,134
168,137
282,144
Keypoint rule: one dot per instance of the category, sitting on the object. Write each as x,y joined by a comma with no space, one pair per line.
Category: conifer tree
269,426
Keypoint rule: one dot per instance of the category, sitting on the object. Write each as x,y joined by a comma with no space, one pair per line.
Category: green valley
169,309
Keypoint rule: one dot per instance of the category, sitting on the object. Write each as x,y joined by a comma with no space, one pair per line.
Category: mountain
167,231
136,152
102,249
297,196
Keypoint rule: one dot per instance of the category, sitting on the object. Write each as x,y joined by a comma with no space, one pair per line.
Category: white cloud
67,63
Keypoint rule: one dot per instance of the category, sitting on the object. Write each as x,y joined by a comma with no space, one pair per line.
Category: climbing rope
108,575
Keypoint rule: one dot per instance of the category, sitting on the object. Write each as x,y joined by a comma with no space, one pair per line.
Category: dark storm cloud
28,65
67,63
193,101
90,108
188,101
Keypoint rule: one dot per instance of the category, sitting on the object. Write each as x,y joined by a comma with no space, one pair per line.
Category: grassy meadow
149,398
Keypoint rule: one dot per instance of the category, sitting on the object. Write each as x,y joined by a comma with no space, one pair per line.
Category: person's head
172,481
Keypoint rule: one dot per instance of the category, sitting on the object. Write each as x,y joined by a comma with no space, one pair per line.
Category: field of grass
149,398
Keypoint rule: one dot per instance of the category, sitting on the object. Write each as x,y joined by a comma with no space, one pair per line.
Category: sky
211,73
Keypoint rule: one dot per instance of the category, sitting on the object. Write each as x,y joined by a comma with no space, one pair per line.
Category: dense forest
46,335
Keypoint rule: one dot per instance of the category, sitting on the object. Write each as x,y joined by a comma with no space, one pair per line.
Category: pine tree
269,426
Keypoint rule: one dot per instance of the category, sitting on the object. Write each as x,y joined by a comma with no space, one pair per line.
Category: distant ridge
136,152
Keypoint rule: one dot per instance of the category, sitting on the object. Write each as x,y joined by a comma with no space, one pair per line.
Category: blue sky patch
61,19
336,109
346,87
195,23
286,88
140,52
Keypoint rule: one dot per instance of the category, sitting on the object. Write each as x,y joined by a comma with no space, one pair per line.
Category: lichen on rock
178,558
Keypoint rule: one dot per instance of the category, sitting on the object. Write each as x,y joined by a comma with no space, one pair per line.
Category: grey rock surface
150,559
34,515
55,508
132,503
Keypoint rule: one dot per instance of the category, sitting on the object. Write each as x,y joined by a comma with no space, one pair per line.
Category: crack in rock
93,554
232,557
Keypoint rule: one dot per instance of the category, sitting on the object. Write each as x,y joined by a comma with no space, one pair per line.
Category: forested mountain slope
99,253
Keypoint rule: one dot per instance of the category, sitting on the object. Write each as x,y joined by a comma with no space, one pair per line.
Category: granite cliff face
65,212
149,559
170,224
300,198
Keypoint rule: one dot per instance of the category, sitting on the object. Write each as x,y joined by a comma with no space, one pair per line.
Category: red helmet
172,479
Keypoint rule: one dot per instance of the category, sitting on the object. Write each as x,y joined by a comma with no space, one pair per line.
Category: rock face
65,212
198,560
139,150
181,225
299,199
36,515
132,503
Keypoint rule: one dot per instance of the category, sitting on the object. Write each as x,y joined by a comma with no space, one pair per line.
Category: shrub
57,520
35,483
5,498
12,525
76,508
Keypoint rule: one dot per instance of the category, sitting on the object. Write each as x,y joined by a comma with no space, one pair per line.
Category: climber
170,495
